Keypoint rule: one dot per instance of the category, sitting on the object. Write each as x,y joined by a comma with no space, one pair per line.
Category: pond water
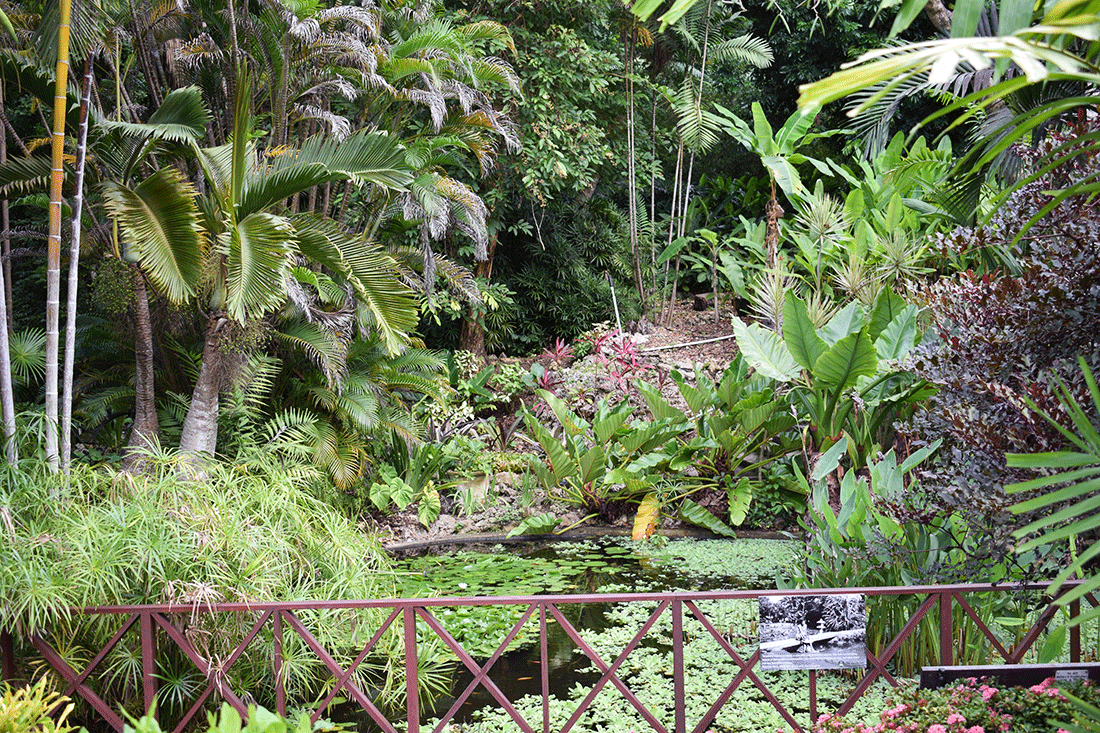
606,565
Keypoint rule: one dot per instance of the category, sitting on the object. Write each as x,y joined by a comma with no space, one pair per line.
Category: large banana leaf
160,226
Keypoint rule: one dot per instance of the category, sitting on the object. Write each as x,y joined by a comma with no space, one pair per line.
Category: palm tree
247,244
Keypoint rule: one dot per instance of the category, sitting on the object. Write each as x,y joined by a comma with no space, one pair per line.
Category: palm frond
27,352
161,228
325,349
747,49
181,118
21,176
257,252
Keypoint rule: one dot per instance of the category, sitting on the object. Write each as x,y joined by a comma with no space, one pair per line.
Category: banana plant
844,375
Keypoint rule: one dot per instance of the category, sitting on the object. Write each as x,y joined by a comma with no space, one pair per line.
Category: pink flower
975,729
955,718
936,728
988,692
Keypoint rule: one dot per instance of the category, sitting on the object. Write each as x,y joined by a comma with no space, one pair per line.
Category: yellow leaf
645,521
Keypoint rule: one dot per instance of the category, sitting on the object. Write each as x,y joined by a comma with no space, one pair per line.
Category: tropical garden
333,269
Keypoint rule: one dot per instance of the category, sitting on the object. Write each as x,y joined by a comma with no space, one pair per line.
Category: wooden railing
162,626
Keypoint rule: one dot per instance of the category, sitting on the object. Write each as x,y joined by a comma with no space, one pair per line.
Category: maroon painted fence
164,626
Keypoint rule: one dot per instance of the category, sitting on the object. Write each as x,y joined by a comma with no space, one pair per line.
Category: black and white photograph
813,632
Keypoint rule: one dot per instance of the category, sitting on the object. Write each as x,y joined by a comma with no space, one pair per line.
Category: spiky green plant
251,531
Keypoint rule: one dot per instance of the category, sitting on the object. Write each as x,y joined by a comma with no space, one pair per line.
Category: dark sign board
813,632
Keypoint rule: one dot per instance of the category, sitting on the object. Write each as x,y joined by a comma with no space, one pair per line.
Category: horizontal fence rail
164,628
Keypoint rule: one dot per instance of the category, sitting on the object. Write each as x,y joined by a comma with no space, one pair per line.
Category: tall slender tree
53,250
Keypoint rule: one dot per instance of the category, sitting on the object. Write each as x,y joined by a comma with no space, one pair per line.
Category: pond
609,564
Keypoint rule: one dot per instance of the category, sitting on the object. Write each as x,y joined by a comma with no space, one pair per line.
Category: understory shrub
247,532
997,338
974,706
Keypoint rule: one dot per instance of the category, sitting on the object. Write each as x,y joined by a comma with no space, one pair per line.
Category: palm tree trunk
200,427
53,247
74,269
146,426
631,168
7,398
5,225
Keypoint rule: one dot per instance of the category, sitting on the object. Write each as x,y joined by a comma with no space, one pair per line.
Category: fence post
1075,632
544,664
679,694
148,661
280,685
412,672
7,652
947,631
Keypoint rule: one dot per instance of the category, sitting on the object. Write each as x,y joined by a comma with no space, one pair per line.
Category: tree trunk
472,335
939,15
53,248
200,427
146,426
7,395
74,270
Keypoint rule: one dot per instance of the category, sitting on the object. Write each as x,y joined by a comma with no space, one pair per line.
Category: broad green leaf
658,405
846,361
537,524
844,322
907,13
899,338
740,499
673,249
762,130
1014,15
645,521
793,130
607,427
829,460
1052,647
401,493
593,464
765,351
798,333
887,307
572,424
697,515
428,508
786,177
965,17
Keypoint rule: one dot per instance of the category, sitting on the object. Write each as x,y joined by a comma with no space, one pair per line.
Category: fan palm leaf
257,252
161,227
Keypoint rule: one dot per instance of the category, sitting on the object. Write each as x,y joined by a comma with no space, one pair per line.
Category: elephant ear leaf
888,306
846,361
538,524
765,351
697,515
798,332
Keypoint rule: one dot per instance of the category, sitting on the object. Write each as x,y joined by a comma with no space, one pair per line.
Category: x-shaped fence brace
151,619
